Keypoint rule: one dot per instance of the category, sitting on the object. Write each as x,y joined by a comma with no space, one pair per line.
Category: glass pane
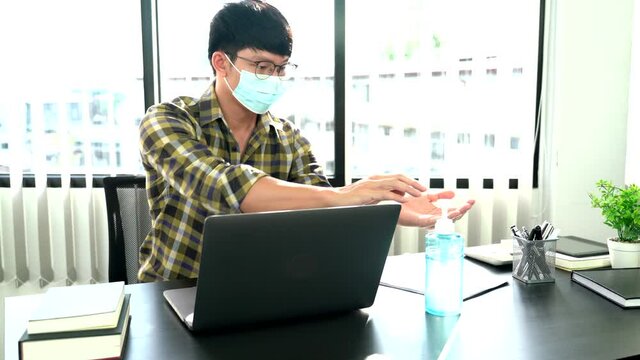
72,77
183,33
185,70
425,89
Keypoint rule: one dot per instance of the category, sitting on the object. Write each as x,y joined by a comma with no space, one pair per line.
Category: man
225,153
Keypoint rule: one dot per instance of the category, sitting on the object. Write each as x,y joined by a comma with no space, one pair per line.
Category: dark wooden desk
560,320
395,326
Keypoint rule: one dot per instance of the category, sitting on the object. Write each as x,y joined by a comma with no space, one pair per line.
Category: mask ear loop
231,62
225,78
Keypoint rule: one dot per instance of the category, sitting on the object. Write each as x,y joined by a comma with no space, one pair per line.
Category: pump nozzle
444,225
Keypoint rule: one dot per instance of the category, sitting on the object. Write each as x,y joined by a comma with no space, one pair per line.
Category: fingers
427,221
448,194
393,187
400,187
393,195
457,214
378,188
410,185
412,216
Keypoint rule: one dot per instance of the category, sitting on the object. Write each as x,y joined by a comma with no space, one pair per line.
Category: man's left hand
422,212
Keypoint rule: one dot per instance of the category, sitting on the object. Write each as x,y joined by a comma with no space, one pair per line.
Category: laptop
283,265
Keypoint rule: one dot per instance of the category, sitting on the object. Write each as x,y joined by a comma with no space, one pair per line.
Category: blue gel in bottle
444,256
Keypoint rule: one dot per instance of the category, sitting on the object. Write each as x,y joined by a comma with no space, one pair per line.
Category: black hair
250,24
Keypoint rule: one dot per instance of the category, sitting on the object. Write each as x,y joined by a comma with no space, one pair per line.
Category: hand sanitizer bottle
444,257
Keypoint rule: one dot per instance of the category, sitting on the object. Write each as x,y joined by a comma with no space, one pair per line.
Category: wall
588,115
632,175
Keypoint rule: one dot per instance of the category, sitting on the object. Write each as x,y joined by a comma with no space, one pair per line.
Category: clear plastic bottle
444,256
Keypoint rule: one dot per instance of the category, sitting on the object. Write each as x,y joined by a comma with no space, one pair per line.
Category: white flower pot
624,254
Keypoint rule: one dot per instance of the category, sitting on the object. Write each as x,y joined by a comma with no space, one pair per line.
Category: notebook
621,286
579,247
275,266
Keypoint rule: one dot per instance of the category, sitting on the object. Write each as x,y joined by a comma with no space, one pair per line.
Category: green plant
620,208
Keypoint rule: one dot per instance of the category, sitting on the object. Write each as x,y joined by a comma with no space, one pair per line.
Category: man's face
258,62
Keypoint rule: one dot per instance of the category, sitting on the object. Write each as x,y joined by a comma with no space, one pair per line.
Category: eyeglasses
265,69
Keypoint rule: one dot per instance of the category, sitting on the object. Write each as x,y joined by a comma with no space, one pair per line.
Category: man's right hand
374,189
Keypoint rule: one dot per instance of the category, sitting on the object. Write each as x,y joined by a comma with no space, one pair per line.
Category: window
424,94
453,76
183,32
75,74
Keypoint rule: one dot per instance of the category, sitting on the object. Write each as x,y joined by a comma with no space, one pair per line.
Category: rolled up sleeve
172,147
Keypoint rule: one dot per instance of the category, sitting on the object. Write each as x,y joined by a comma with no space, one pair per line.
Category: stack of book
576,253
78,322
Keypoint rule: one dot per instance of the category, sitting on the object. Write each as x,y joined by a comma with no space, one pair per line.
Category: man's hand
421,210
377,188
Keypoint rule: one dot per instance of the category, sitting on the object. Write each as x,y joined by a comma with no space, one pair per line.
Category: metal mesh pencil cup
534,260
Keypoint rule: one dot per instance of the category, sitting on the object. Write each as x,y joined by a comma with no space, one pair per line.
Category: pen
544,227
517,237
514,231
547,231
535,234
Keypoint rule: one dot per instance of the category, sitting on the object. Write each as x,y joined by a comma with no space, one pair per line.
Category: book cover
621,286
578,247
87,344
78,307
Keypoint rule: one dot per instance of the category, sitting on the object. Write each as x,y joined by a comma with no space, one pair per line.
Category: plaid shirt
194,169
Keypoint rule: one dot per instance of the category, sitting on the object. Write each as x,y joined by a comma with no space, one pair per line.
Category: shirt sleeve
305,168
172,146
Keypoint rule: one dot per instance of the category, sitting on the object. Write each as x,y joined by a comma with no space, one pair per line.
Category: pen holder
534,261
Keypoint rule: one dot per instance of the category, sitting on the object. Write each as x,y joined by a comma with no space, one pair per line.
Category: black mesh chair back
129,223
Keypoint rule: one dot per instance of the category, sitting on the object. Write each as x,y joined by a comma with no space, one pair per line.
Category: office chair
129,223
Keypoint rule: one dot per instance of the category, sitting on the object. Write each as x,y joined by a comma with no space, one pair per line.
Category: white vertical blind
72,96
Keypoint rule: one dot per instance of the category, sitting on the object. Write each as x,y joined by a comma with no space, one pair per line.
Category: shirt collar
210,111
209,106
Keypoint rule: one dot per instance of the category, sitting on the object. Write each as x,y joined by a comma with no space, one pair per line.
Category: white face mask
255,94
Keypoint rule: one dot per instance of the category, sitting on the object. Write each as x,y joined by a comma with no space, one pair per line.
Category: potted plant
620,208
